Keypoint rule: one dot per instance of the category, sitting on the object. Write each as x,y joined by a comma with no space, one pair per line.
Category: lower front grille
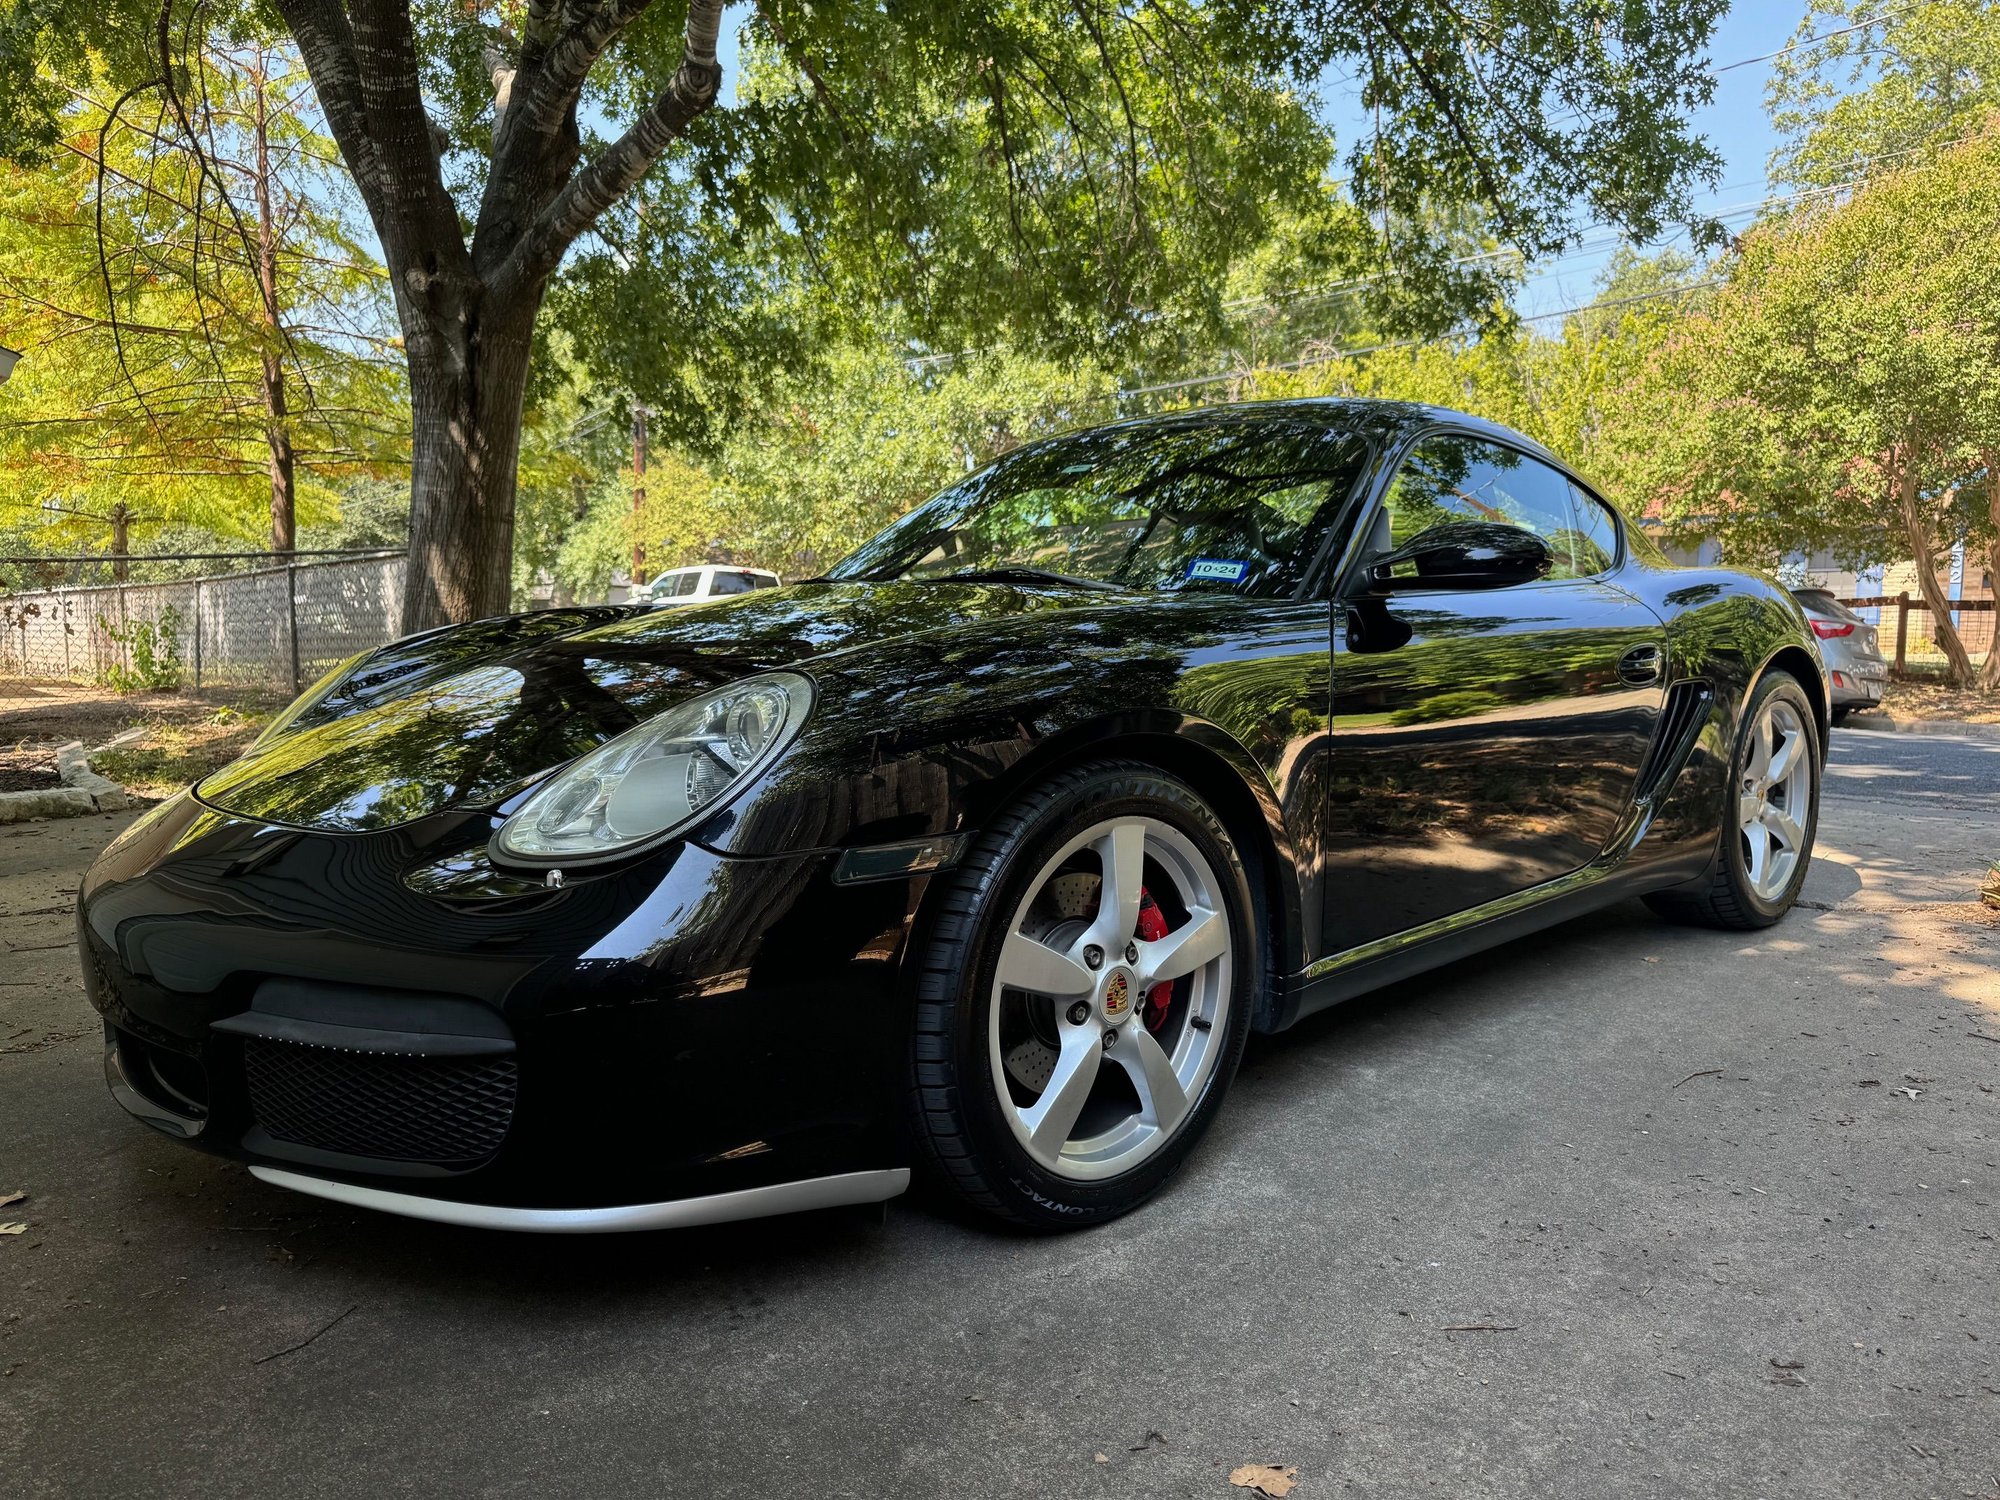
440,1111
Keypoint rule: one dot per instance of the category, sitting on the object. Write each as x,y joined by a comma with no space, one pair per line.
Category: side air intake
1681,722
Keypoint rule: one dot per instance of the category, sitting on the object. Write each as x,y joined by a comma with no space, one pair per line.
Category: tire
1745,888
1019,1108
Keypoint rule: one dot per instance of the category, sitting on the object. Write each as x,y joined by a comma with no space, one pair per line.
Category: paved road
1723,1253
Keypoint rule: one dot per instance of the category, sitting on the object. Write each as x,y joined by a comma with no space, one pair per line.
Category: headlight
661,778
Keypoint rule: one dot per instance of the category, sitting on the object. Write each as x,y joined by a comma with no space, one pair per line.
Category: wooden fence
1916,631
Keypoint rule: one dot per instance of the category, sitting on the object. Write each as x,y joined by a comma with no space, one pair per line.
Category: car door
1484,740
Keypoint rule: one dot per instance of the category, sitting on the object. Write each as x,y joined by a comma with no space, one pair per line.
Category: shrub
155,649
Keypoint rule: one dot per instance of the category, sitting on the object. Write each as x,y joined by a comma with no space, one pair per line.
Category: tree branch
419,225
689,94
559,69
1442,98
327,45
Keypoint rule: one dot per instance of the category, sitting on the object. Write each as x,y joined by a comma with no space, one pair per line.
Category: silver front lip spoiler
680,1213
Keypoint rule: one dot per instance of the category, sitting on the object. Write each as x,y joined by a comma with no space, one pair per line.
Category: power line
1807,41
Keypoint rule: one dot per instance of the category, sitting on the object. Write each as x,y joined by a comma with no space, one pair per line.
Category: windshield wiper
1022,575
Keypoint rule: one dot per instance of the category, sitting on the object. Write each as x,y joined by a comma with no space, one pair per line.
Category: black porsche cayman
981,855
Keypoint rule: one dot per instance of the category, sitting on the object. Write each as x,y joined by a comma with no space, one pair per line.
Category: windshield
1229,506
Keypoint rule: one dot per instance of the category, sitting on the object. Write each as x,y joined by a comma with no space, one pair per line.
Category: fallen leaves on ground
8,1199
13,1228
1265,1479
1906,699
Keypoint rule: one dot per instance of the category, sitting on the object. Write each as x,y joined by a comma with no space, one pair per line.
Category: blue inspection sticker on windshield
1216,570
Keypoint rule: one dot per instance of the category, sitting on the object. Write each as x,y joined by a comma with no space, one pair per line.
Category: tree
1064,172
203,336
1866,86
828,458
1565,391
1843,389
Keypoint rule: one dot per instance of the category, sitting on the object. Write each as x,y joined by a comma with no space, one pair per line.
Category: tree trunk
1959,664
638,494
468,374
277,426
1989,675
121,543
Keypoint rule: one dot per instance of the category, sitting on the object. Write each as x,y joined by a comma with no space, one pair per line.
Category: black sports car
982,854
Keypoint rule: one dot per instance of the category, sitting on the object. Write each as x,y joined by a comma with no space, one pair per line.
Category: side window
730,583
1450,478
686,584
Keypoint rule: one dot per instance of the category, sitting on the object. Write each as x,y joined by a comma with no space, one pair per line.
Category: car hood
466,718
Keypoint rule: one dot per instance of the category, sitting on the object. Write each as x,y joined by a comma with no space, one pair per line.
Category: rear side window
1595,541
730,583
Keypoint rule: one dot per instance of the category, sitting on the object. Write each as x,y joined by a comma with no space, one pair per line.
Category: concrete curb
83,791
1883,724
73,765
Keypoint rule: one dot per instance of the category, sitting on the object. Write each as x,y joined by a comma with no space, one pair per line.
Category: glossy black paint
1485,743
1408,774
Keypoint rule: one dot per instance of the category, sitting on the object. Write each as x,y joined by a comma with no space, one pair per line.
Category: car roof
1365,415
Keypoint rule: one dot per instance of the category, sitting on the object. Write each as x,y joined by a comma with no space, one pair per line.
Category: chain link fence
275,627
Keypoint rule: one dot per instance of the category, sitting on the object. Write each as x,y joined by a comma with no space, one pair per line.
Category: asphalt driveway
1625,1209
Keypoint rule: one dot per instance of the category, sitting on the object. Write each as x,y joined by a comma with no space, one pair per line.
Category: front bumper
681,1213
684,1040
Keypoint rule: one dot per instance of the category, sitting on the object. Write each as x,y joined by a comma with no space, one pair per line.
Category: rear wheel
1083,998
1770,817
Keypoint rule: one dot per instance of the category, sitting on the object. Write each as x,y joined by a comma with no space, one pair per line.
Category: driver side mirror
1462,555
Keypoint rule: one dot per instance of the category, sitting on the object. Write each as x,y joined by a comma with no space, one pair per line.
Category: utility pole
638,492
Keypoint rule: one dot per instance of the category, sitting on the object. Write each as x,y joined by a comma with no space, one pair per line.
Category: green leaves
1868,87
131,287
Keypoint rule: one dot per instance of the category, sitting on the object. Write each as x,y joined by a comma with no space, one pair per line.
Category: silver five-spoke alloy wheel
1774,799
1110,999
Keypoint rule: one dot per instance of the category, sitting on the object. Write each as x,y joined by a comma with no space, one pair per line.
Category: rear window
1822,602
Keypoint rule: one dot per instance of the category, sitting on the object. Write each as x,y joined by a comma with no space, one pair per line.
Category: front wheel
1083,998
1771,813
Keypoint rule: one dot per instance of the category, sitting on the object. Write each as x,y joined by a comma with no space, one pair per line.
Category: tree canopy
1068,176
1865,85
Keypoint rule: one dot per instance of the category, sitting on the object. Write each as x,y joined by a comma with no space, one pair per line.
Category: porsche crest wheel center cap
1118,994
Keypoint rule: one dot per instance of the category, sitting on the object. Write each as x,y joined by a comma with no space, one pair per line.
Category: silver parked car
1854,662
700,584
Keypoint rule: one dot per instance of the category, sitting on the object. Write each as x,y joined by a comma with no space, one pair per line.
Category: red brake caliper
1153,927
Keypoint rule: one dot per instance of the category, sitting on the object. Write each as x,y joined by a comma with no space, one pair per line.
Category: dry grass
185,734
1920,699
170,755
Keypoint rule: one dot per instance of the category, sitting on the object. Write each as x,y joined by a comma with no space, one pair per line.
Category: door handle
1641,665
